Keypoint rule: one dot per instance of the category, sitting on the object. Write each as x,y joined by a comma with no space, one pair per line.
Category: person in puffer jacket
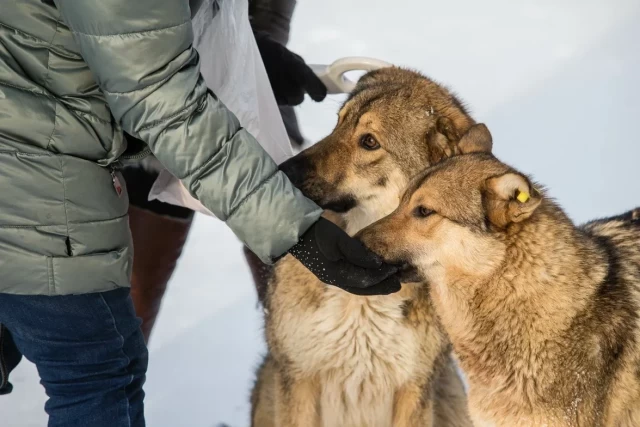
159,229
75,75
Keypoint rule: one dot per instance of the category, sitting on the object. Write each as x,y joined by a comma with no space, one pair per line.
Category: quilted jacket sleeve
142,56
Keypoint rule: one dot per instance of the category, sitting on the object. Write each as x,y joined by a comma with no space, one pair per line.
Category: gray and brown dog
337,359
543,315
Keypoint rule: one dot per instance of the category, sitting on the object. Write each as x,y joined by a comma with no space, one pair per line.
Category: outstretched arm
142,56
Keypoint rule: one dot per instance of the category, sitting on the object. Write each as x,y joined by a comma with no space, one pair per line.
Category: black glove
338,259
289,75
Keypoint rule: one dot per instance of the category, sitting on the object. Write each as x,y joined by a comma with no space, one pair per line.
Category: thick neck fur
530,335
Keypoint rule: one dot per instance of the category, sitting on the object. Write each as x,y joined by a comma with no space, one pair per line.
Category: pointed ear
477,140
441,140
509,198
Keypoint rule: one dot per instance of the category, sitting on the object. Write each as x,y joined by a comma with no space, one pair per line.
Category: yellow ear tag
523,196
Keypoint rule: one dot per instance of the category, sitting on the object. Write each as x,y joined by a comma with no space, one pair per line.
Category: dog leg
451,407
263,396
411,409
296,402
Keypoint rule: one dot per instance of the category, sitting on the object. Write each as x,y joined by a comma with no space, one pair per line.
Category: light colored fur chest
355,338
360,350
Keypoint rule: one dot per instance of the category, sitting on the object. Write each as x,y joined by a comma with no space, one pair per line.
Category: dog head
395,123
452,221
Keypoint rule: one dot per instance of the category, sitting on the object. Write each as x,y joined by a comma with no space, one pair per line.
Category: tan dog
340,360
543,315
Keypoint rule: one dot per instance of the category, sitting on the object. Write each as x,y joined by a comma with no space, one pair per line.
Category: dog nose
296,169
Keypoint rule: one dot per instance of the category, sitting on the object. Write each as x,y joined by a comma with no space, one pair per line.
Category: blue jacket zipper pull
116,182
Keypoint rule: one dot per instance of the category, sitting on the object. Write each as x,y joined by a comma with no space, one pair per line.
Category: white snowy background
556,81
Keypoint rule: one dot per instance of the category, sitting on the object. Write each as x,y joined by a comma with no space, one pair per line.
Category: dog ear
442,140
445,126
509,198
477,140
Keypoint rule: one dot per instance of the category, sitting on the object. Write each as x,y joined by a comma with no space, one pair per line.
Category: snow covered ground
557,83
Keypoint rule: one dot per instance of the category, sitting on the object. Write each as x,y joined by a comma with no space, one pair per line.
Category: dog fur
340,360
543,315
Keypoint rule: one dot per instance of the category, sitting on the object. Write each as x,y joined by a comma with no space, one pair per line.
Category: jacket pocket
96,272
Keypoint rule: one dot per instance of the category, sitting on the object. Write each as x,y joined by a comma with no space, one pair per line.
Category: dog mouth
407,273
340,205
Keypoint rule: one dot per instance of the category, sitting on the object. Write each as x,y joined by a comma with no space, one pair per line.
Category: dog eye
422,212
369,142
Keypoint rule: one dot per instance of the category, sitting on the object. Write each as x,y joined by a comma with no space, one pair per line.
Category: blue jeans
89,352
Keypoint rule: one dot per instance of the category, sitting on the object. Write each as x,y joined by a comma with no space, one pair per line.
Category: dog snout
381,239
296,169
302,173
373,238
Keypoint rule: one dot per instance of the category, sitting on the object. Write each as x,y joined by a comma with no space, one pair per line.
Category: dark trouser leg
158,242
10,356
89,352
159,232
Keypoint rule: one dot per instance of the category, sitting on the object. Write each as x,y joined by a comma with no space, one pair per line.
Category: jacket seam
91,116
62,50
45,84
53,98
208,159
24,89
97,221
172,116
64,193
149,86
250,194
21,153
52,280
23,33
133,33
55,33
55,122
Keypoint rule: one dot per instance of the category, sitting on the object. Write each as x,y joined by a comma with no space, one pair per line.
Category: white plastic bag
232,67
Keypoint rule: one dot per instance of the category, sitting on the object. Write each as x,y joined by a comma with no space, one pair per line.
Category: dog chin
409,274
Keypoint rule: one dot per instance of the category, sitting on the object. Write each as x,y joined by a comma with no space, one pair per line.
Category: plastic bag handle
333,76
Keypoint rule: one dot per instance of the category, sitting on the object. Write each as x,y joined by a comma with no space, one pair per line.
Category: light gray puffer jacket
73,76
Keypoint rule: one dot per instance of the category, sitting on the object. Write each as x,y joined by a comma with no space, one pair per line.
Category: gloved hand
338,259
289,75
